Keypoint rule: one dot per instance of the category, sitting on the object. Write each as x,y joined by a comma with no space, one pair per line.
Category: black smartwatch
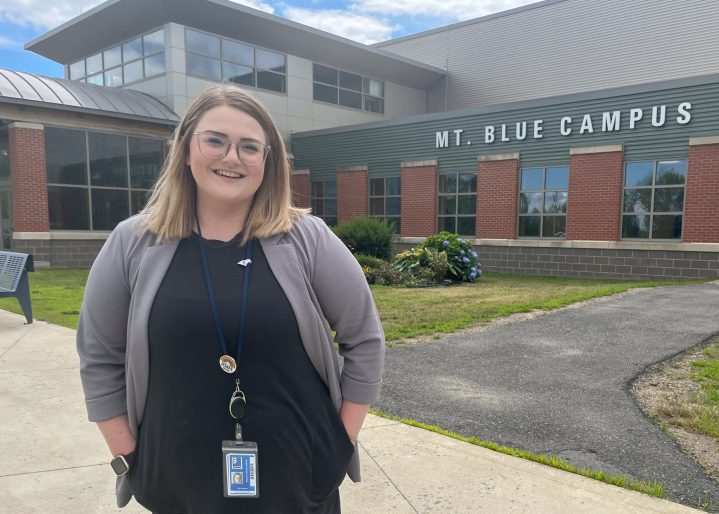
120,465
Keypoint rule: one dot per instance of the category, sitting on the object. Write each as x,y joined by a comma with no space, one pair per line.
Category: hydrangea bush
462,264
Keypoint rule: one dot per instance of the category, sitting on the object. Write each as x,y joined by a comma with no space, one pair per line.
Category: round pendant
228,364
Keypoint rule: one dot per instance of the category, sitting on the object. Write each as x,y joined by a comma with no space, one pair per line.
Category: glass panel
108,160
5,157
467,183
554,226
239,53
372,104
637,200
68,208
671,172
447,205
112,57
351,81
532,178
639,174
376,206
202,43
324,74
132,50
5,225
667,227
318,206
373,88
393,206
317,189
238,74
530,203
555,202
132,72
324,93
529,226
96,79
271,81
330,221
331,208
203,67
146,156
77,70
448,183
269,60
395,222
113,77
330,189
447,224
376,187
109,207
466,226
394,185
557,178
350,99
65,156
466,204
154,42
155,64
669,199
635,226
94,64
138,199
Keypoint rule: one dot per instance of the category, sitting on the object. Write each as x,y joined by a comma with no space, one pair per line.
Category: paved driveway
559,383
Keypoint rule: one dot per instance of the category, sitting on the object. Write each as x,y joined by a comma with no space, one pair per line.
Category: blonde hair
171,207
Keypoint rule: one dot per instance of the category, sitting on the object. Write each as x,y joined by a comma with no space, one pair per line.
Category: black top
304,450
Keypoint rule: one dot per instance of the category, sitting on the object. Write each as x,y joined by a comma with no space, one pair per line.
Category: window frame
314,198
363,91
456,195
396,219
544,190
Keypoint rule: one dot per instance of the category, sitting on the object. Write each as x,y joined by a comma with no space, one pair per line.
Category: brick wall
419,199
701,214
595,193
497,191
300,185
28,177
352,194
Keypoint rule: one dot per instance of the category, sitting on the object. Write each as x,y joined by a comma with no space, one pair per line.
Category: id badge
239,460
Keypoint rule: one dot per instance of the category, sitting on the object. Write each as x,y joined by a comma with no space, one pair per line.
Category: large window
347,89
128,62
5,206
653,206
385,199
95,180
543,202
323,200
217,58
457,203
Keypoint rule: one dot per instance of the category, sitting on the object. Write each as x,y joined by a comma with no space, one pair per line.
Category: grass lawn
705,371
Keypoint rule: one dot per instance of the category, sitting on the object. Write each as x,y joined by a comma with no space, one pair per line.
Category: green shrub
368,236
462,264
423,264
369,261
383,274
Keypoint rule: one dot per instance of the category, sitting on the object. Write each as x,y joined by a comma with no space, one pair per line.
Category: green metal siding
384,148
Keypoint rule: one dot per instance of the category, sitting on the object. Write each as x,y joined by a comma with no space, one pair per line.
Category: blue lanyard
213,299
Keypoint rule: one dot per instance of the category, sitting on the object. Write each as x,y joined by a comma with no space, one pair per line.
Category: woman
206,320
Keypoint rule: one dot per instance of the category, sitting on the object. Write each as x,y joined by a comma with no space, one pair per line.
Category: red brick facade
594,206
300,185
352,194
497,192
419,199
29,179
701,216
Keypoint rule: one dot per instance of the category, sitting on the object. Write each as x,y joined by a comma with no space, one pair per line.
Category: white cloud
357,27
261,6
446,9
9,43
42,14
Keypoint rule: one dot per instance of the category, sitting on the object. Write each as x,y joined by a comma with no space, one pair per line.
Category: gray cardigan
322,281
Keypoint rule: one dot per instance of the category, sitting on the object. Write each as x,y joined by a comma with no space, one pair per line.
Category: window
323,200
215,58
385,200
543,202
347,89
653,203
95,180
457,203
139,58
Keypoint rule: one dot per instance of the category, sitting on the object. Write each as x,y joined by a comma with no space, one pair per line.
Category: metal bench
14,268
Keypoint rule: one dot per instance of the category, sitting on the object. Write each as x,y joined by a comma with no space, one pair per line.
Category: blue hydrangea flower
479,264
465,260
472,276
461,252
445,243
474,254
473,269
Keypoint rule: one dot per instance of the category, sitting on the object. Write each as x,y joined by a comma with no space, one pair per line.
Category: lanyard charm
238,403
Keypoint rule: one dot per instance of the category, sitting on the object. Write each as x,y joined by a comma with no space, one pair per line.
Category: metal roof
115,21
55,93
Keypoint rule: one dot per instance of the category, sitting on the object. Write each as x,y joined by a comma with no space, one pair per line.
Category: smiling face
226,183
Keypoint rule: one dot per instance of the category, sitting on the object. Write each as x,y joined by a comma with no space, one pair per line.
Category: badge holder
239,458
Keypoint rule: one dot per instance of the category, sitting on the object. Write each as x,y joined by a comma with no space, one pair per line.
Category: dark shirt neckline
216,243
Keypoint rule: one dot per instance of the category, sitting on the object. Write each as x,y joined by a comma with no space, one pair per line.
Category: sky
365,21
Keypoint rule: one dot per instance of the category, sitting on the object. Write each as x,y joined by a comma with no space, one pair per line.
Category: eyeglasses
216,146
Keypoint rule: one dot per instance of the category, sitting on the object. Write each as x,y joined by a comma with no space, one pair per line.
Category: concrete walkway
53,460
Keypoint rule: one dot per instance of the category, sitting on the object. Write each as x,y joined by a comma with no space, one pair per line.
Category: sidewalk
53,460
